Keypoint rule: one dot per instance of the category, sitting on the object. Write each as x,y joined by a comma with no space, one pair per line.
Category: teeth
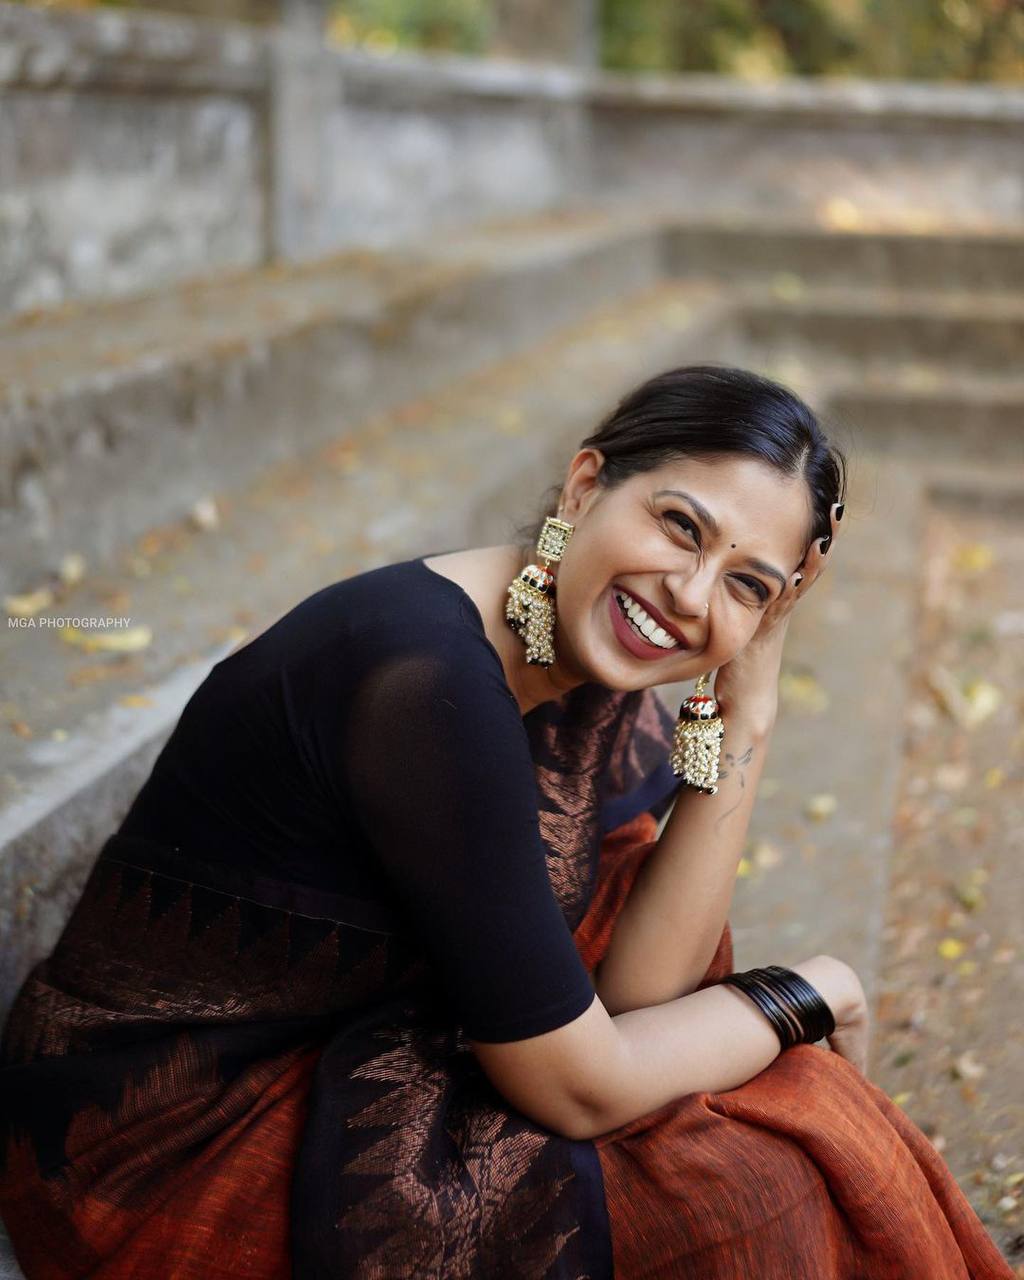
646,625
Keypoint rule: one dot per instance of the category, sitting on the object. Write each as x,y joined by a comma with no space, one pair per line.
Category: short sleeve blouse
368,742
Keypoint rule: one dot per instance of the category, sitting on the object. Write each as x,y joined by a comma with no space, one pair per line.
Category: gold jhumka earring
697,741
530,606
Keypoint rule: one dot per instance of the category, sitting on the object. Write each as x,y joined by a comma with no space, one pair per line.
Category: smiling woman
388,974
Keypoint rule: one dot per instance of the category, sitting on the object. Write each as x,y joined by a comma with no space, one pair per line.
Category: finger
814,559
834,516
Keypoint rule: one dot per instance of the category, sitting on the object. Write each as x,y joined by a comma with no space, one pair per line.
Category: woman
385,973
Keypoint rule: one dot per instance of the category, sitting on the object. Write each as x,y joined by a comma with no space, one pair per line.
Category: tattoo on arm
734,762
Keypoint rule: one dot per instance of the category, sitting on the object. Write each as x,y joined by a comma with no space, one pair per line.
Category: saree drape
216,1074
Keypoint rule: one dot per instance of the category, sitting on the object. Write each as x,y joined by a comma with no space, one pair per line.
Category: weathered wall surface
131,153
858,154
136,149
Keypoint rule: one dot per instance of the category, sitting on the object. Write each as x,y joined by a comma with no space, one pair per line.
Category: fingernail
825,543
839,510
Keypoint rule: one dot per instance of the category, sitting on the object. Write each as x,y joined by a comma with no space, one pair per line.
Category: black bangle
769,1006
783,999
811,1007
795,1008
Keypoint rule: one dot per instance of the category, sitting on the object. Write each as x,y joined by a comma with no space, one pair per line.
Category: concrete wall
141,148
132,152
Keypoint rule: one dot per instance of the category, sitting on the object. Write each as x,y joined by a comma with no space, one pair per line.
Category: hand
749,682
841,989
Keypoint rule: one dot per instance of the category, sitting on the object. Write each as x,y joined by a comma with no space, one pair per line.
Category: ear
582,483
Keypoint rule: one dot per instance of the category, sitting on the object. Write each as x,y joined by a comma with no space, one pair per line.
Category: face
729,532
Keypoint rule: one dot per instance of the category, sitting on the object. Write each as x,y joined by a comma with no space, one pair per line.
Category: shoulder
413,635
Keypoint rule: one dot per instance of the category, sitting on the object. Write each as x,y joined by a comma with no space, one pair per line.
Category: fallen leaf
204,514
788,286
951,777
766,854
820,807
969,705
131,640
743,869
72,568
951,948
973,557
28,605
970,896
966,1067
135,700
983,699
840,214
803,693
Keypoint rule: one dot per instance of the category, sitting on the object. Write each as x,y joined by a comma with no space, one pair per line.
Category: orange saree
806,1172
218,1074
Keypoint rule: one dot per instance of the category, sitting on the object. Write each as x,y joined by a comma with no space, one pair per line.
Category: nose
690,593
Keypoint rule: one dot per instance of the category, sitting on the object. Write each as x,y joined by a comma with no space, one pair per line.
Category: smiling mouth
643,625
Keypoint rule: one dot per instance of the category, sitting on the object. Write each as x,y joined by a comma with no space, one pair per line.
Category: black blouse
368,744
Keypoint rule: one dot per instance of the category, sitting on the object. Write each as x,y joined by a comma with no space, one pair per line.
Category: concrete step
938,416
949,1042
873,329
792,255
160,398
118,416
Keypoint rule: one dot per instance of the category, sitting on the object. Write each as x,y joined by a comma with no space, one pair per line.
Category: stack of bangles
795,1009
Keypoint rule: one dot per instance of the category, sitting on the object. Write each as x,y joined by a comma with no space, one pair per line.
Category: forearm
667,930
714,1039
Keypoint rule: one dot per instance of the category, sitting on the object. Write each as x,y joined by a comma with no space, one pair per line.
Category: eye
684,523
757,585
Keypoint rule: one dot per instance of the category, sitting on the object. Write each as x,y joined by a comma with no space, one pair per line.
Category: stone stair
355,411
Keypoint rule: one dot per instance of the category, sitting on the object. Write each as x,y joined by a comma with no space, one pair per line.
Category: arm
600,1072
667,931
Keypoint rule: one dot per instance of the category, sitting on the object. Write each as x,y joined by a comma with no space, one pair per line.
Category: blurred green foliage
903,39
898,39
459,26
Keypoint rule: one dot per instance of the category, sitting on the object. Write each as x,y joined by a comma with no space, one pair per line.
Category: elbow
577,1123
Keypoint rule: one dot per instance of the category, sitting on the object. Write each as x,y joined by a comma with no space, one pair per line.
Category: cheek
735,632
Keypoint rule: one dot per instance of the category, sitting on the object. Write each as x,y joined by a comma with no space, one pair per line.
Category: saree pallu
215,1074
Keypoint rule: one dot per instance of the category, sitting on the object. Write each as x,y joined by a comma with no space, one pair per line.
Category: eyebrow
707,518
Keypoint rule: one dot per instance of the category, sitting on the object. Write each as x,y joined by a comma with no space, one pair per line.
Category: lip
626,637
651,612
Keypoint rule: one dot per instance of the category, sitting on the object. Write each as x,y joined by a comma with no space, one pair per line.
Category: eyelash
754,583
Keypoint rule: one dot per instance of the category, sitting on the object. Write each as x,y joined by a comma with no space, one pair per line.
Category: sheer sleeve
440,777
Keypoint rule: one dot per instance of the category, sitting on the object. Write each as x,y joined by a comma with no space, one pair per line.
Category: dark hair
707,410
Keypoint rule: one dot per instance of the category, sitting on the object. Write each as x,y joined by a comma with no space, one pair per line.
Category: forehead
749,499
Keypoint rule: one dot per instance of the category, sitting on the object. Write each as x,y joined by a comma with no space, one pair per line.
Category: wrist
836,982
749,721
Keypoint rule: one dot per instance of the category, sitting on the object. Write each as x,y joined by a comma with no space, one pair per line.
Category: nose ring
707,605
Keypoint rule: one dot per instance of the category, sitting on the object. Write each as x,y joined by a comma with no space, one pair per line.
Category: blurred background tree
755,39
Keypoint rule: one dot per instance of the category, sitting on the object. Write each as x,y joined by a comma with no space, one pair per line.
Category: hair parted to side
709,410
